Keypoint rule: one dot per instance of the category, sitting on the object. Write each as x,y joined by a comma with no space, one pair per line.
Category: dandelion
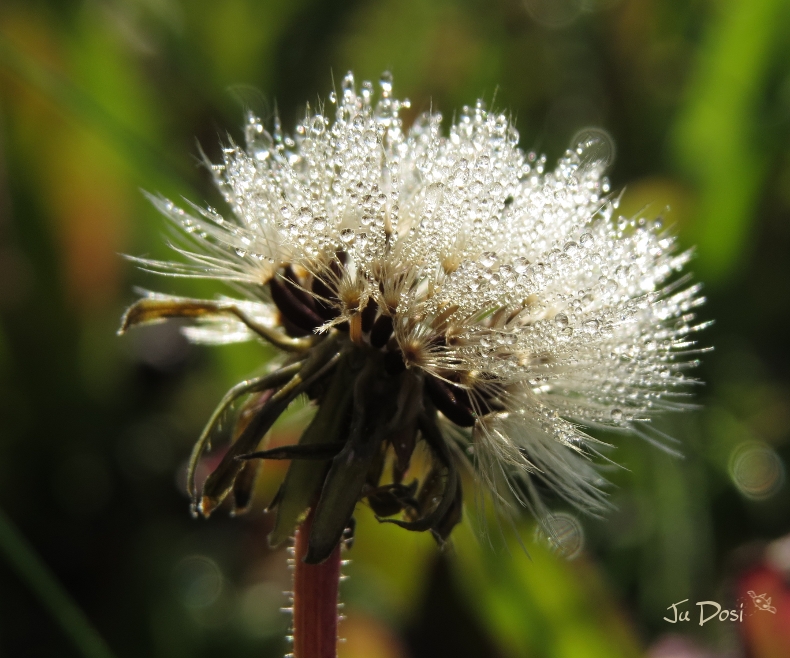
433,289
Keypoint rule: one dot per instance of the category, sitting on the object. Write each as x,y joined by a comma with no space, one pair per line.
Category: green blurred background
100,99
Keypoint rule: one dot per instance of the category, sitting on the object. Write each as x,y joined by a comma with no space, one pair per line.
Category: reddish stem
315,600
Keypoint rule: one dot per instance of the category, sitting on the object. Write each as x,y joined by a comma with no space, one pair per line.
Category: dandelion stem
315,600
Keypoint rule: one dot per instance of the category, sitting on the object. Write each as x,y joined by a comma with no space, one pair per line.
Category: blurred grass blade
72,99
716,129
38,577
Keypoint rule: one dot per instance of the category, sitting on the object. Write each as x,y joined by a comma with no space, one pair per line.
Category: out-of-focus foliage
102,98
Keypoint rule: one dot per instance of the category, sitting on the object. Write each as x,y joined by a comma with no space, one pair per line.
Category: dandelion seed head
535,309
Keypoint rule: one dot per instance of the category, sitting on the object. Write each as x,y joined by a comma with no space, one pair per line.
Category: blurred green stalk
69,97
32,570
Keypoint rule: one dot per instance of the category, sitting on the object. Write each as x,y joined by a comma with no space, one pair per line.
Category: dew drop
348,84
616,414
347,235
385,82
595,148
590,326
487,258
520,265
460,176
317,125
561,320
433,196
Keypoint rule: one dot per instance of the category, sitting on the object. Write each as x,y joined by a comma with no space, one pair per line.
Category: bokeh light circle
564,534
197,581
756,470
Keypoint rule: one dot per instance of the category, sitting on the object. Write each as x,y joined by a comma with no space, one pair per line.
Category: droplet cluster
500,276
